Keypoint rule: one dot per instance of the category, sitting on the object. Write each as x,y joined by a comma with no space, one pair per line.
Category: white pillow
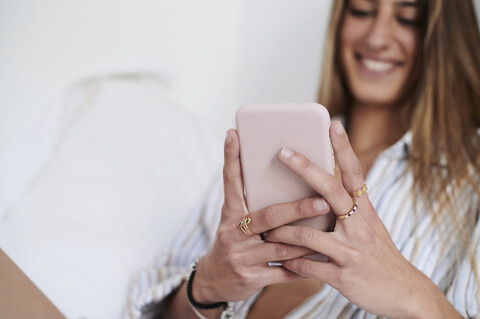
127,170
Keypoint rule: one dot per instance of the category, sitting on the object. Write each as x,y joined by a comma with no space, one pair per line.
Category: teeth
377,66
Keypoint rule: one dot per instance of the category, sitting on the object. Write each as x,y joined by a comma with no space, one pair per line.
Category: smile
376,66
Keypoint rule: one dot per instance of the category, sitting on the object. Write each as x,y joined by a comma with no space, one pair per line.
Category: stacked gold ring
360,192
350,212
244,225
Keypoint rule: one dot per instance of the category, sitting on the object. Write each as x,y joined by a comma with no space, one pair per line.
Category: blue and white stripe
417,237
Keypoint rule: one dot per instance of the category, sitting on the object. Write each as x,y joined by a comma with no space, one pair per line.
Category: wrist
200,288
430,302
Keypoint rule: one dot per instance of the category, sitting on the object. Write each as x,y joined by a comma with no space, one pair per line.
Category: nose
380,33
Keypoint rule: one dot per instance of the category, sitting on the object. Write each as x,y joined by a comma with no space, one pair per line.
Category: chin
377,97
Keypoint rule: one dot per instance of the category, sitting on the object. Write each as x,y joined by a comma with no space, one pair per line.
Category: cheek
408,41
352,32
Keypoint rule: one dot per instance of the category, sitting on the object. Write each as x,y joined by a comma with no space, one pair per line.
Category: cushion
125,172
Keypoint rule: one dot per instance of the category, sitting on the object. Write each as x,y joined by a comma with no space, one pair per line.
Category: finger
232,178
267,252
320,180
350,168
275,275
278,215
304,236
351,171
305,267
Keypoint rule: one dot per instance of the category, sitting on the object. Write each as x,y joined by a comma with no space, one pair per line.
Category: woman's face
379,49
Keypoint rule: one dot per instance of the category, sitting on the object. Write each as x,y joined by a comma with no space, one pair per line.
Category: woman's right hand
236,267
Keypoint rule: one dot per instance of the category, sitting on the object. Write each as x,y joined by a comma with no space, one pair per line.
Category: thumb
234,207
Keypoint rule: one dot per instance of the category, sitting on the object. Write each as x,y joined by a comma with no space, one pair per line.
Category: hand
365,265
236,266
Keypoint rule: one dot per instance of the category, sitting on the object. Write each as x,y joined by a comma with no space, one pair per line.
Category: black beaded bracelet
190,294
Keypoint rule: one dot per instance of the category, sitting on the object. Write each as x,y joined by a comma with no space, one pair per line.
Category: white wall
46,45
216,55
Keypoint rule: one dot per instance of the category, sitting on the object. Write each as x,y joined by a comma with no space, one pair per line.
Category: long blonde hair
443,112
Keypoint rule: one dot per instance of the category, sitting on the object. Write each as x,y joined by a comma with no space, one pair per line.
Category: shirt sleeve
464,292
151,286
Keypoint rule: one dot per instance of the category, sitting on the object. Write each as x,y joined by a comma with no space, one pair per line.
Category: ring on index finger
244,225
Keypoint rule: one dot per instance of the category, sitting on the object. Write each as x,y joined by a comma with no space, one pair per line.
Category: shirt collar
400,149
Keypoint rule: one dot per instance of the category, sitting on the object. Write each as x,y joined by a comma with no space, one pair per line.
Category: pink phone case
263,130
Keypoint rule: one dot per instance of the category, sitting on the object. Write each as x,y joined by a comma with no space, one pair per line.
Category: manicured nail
319,204
286,153
228,138
339,128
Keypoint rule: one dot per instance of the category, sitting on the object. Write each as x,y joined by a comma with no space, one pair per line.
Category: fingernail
339,129
286,153
228,138
319,204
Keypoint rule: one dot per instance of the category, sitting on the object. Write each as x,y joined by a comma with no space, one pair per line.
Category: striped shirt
421,240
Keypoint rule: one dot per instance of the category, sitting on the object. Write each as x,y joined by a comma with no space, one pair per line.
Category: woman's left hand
365,266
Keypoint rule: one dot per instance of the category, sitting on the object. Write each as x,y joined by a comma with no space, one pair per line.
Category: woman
405,77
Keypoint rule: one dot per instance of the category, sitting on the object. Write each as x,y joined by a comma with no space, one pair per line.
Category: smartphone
263,130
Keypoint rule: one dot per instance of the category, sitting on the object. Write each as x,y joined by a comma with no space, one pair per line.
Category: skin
365,265
380,32
389,32
236,266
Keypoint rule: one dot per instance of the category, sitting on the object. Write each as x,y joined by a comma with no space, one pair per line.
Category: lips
377,66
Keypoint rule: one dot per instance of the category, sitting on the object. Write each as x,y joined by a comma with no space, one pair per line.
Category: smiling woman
403,75
379,49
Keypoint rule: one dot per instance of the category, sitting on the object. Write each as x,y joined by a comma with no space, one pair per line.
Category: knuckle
267,217
233,261
246,280
281,251
356,169
230,175
304,266
304,163
304,235
226,175
223,236
335,188
228,152
301,209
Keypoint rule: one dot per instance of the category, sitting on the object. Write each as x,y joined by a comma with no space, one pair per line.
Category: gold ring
244,225
359,192
350,212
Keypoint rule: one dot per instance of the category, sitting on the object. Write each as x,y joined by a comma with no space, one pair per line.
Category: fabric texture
416,236
128,167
